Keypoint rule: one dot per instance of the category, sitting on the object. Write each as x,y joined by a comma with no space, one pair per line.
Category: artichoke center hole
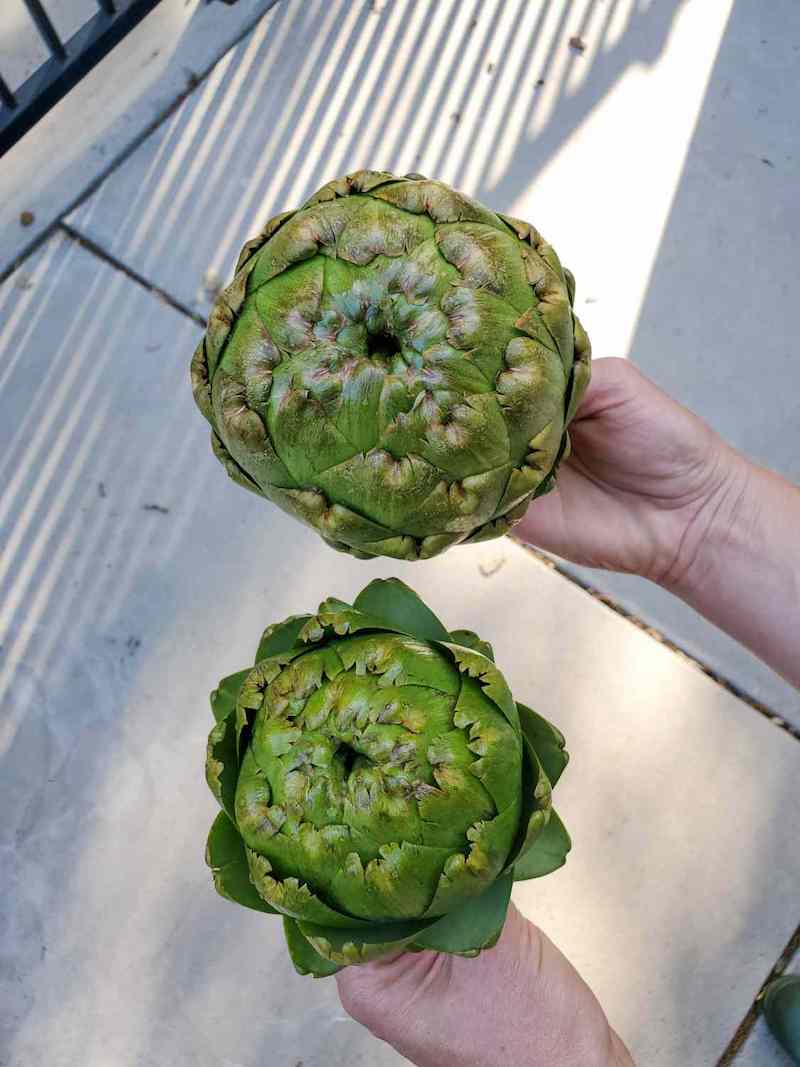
382,344
348,757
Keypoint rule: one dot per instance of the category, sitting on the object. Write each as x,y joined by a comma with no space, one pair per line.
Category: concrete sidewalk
134,574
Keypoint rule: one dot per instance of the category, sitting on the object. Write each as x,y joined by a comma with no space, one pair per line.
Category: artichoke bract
394,364
380,787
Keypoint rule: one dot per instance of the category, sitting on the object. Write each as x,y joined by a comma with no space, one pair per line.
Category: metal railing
21,109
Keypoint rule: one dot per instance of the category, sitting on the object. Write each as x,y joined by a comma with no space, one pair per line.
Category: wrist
740,566
718,526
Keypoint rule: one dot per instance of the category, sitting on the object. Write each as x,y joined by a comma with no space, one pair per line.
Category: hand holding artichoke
395,365
381,789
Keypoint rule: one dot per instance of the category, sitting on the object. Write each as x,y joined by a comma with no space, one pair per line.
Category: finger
614,382
543,524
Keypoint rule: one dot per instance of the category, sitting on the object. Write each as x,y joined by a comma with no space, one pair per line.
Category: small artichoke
380,787
395,365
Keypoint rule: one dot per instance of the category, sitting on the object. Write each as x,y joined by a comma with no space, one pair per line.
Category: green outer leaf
478,666
294,898
222,763
474,926
347,947
781,1007
304,957
536,804
469,639
225,855
281,638
392,601
547,741
223,698
548,852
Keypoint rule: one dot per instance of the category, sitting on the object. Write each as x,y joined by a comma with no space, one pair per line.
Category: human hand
643,484
521,1002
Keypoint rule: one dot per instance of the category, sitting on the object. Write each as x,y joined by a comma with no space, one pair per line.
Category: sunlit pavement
659,153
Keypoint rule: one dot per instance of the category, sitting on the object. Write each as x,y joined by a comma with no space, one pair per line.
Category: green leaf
354,946
304,957
222,762
281,638
476,665
399,607
547,854
474,926
547,741
225,855
469,639
223,698
537,797
781,1006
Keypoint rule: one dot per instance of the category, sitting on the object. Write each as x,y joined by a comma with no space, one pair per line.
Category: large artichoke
396,365
380,787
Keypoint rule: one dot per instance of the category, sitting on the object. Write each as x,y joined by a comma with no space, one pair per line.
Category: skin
688,512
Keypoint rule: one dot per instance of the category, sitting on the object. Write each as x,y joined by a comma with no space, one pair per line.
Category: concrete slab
495,101
761,1049
76,143
501,104
134,575
716,323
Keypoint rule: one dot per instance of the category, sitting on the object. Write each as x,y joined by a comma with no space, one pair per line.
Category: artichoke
380,787
780,1002
394,364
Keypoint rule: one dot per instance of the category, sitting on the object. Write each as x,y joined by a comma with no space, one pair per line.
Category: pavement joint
657,635
117,264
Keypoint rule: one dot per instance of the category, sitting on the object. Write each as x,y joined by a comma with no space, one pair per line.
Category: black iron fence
69,61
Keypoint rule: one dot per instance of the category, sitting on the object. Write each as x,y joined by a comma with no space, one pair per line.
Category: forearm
743,572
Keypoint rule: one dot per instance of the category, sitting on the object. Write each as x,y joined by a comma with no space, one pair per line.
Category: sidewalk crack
747,1024
117,264
657,635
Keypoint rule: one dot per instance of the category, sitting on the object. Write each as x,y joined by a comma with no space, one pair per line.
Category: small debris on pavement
577,44
768,162
26,218
156,507
488,569
490,68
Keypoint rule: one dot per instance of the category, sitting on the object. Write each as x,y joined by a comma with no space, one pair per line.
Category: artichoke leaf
399,608
537,799
476,925
222,762
305,959
493,741
546,740
283,637
346,947
225,855
469,639
224,697
484,671
548,852
291,897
